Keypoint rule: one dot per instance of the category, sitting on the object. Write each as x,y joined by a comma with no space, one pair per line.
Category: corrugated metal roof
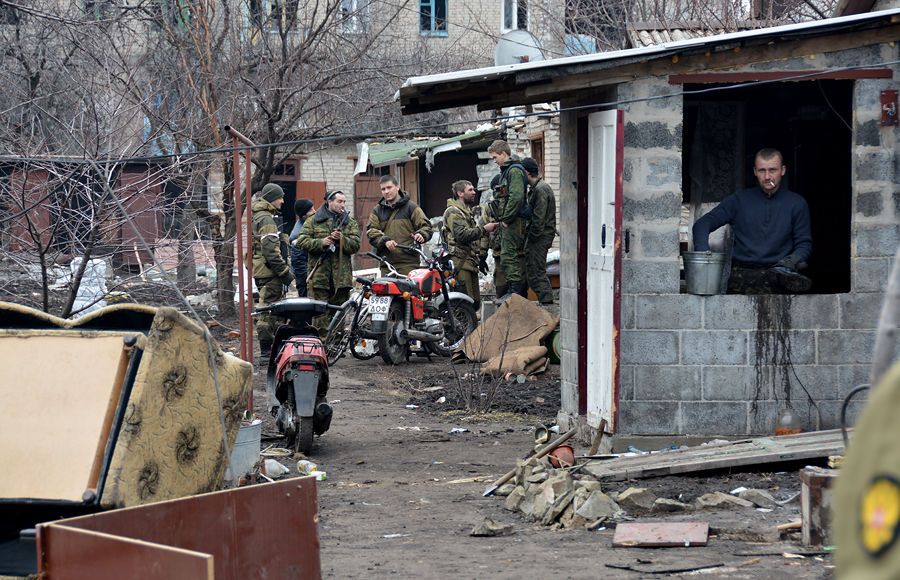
644,52
400,151
643,34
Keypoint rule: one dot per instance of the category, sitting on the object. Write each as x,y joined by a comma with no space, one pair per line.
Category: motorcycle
297,373
419,307
351,327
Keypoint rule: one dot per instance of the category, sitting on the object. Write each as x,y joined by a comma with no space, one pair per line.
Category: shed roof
469,87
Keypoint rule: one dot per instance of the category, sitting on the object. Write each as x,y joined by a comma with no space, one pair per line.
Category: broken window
433,17
809,122
515,15
353,15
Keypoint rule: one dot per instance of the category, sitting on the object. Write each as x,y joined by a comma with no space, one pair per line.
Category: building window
515,15
433,17
353,15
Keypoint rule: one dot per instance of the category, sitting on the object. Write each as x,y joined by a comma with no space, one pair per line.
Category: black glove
483,265
287,277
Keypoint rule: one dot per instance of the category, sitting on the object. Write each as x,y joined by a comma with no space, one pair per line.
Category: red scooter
297,374
420,307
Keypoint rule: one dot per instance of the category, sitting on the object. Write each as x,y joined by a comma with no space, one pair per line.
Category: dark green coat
329,269
542,226
398,223
513,184
462,235
268,260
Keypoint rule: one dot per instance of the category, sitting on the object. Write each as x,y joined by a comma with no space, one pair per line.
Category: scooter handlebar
364,281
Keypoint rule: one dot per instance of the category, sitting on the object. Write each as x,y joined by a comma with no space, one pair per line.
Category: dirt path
390,506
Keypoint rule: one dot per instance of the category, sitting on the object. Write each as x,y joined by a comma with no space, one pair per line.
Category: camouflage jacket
462,235
268,259
329,267
398,223
514,185
542,226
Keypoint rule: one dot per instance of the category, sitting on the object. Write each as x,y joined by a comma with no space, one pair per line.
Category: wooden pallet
723,455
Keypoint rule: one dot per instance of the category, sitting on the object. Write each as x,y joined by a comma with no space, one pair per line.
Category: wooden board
719,456
60,391
661,535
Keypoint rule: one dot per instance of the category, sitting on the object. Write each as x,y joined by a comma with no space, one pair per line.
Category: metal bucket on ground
703,272
245,452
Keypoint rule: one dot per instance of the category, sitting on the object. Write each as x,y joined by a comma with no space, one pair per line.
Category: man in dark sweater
772,239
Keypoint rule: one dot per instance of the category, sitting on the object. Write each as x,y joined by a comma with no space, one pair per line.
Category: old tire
391,350
465,320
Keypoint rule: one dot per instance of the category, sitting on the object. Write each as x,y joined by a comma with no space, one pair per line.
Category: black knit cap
302,207
531,166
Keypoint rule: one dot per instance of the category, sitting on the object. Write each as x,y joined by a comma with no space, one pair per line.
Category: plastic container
245,452
788,423
703,272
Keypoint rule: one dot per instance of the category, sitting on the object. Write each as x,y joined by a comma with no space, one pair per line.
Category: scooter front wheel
304,438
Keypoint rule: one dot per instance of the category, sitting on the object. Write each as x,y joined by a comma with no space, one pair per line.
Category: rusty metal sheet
74,554
661,535
259,531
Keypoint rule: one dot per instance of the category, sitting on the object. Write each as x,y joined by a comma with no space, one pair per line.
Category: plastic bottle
788,423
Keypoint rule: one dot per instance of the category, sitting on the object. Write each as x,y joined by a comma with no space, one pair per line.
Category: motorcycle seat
290,306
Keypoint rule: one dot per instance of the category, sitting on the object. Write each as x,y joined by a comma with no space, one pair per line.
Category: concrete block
643,418
568,272
714,347
729,311
646,277
860,310
874,165
820,380
651,134
896,194
761,417
814,311
831,412
666,383
649,347
869,203
875,240
850,377
662,207
769,347
714,418
845,346
626,382
664,172
569,396
668,311
737,383
868,133
627,306
627,169
568,303
659,244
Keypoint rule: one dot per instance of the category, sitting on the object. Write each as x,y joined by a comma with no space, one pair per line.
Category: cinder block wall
688,363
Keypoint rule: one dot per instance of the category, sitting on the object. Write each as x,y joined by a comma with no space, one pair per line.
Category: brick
814,311
626,383
736,383
876,240
647,277
845,346
869,203
860,310
649,347
714,418
772,345
666,383
662,207
668,311
729,311
643,418
714,347
659,244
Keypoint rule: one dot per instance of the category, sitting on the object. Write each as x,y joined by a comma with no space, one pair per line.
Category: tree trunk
886,336
223,244
186,272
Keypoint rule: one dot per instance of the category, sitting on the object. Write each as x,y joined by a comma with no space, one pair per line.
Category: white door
601,267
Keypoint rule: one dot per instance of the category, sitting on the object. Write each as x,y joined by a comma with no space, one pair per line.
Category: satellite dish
516,47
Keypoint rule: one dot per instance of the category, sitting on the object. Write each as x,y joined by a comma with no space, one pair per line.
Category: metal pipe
239,259
239,136
248,214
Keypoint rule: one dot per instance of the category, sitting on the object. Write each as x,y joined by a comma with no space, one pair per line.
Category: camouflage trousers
512,242
271,290
467,281
331,296
536,269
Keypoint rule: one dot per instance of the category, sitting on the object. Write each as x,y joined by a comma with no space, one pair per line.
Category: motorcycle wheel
338,336
358,352
304,439
465,320
392,351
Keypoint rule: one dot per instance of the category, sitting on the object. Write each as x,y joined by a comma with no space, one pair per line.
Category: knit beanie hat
271,192
302,207
530,166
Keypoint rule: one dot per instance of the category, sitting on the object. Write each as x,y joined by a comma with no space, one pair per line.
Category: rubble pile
571,498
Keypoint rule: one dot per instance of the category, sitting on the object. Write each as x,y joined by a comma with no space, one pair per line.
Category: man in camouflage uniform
540,233
463,237
513,214
330,237
271,269
397,220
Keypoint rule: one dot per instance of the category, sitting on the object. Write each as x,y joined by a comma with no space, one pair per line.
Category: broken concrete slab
539,477
505,489
661,534
489,528
587,484
664,505
759,498
514,499
717,499
636,500
598,505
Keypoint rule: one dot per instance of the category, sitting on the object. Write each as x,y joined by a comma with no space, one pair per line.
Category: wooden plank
661,535
736,454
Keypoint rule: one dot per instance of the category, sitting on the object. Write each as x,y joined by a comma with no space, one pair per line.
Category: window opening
353,15
433,17
515,15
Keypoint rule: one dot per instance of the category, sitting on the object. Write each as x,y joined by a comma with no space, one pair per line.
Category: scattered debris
758,497
456,430
489,528
661,535
412,406
274,469
441,400
681,570
669,505
637,500
394,536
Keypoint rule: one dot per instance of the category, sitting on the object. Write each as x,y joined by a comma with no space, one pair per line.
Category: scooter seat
290,306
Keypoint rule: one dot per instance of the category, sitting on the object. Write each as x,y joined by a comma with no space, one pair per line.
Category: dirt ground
400,499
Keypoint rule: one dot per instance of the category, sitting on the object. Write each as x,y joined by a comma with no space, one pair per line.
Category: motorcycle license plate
378,306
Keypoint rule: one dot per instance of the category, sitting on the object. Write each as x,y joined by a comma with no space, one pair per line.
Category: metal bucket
703,272
245,452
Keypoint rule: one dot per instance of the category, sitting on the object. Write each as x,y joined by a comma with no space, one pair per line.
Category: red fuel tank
429,281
